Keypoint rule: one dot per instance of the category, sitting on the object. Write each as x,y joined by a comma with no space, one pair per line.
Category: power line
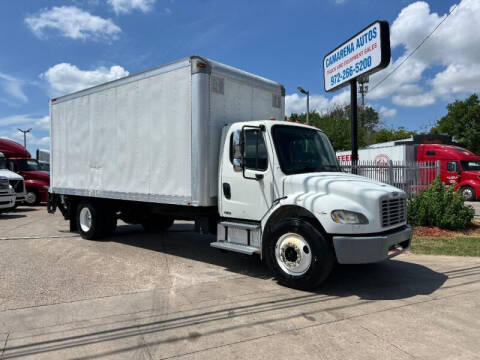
413,52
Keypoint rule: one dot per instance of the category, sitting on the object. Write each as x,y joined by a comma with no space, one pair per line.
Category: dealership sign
364,54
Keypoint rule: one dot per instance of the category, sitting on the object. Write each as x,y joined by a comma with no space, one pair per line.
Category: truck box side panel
126,141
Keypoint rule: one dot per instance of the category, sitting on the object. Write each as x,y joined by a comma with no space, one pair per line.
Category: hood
321,193
37,175
347,185
10,175
473,173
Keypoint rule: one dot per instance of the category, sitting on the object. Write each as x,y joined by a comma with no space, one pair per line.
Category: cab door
246,190
452,172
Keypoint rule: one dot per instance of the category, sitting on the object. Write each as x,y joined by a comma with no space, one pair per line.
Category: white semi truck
199,140
15,181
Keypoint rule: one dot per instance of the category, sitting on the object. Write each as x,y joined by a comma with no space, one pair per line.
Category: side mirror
238,146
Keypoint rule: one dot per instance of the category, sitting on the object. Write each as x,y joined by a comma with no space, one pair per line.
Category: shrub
439,206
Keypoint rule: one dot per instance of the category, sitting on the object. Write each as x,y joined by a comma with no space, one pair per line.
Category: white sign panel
366,52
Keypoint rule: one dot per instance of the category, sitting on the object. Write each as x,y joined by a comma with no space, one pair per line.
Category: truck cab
19,161
458,167
7,195
15,181
282,194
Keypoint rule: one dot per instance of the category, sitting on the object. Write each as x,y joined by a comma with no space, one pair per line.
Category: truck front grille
394,211
3,184
17,185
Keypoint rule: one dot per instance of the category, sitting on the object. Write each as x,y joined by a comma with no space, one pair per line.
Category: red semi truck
458,166
20,161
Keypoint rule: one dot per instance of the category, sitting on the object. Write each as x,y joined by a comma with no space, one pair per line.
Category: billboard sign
363,54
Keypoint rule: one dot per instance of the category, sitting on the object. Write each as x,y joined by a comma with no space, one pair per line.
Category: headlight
11,189
348,217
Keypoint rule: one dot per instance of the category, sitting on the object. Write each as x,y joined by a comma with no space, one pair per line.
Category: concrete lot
476,206
140,296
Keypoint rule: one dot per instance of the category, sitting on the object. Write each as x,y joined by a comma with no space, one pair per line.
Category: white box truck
196,139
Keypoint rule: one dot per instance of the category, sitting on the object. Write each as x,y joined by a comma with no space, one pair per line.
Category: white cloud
414,100
457,78
295,103
385,112
127,6
66,78
12,90
453,47
72,22
40,125
26,120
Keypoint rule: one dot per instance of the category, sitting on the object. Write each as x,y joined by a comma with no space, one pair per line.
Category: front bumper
7,201
371,249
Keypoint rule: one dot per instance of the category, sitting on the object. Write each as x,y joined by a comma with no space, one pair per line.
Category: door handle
226,190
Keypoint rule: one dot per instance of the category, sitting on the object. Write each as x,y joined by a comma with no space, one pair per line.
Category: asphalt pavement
170,295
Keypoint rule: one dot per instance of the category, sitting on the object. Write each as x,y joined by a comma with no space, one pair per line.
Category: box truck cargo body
199,140
155,136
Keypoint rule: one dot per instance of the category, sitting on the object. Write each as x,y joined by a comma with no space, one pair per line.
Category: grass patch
454,246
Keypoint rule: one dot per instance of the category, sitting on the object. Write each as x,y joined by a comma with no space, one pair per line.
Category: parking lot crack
4,346
388,342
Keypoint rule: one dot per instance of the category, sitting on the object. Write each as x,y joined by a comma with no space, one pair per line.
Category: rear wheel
158,223
95,221
299,255
468,193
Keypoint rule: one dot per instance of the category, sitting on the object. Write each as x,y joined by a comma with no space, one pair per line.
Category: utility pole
363,82
25,136
353,123
305,92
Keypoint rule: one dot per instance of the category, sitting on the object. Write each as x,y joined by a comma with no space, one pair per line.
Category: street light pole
305,92
25,136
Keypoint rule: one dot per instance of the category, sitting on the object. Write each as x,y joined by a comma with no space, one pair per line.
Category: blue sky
50,48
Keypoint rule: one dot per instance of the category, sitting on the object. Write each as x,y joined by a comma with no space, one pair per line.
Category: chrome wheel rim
30,198
467,193
293,254
85,219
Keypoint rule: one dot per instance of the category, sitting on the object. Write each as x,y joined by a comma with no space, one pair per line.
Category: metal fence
411,177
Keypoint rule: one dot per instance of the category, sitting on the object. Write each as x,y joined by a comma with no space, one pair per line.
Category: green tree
336,124
462,122
383,134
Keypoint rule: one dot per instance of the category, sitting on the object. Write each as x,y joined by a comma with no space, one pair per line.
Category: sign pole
354,124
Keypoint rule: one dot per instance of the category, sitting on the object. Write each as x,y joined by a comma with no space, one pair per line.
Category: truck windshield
3,163
303,150
470,165
28,165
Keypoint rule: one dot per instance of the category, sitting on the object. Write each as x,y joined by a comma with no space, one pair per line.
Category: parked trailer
458,166
189,140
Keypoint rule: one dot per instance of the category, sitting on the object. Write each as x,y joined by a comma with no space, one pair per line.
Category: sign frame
385,54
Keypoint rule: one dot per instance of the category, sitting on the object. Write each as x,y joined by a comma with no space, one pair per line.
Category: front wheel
299,255
468,193
32,197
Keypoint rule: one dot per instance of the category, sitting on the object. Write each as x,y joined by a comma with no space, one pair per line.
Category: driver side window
452,166
255,151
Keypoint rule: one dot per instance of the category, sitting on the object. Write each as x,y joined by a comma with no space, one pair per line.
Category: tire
288,240
158,224
90,221
468,193
32,198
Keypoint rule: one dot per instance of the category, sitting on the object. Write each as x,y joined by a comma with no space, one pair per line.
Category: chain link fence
411,177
